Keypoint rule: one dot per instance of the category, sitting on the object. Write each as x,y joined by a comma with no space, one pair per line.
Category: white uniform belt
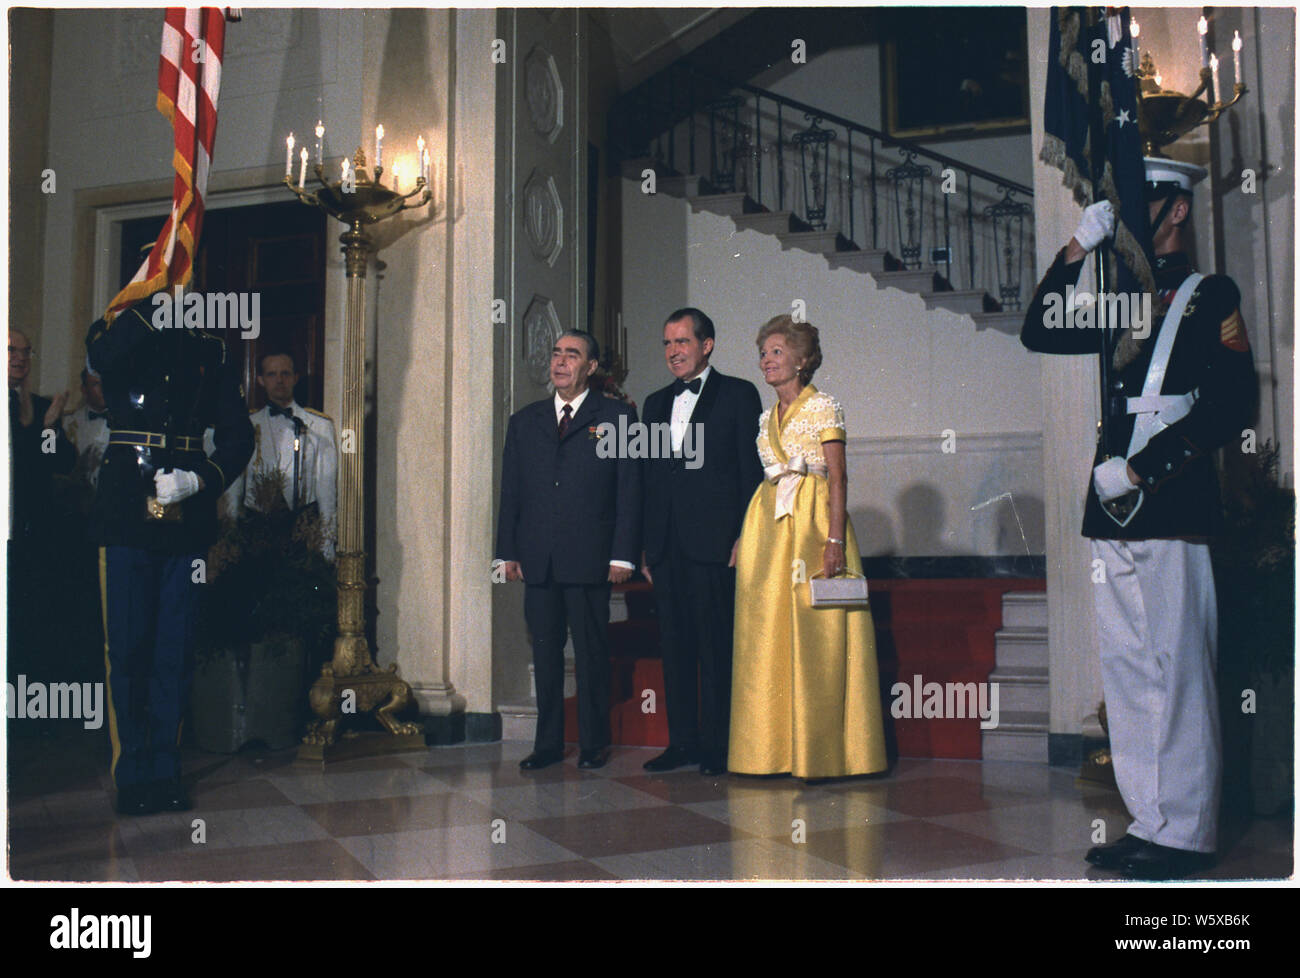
1170,407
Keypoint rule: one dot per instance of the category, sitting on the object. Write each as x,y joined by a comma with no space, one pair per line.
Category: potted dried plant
1254,563
266,619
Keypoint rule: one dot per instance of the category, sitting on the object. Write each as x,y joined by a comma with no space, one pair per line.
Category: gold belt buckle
154,510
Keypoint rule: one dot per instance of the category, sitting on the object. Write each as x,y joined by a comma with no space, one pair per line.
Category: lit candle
302,170
320,143
420,158
345,169
425,159
397,179
1157,81
288,157
379,146
1236,56
1214,71
1202,26
1135,31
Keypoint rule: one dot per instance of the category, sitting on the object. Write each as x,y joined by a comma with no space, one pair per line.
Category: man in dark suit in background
569,527
38,450
695,501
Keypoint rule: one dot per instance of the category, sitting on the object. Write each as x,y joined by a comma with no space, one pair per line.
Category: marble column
1070,417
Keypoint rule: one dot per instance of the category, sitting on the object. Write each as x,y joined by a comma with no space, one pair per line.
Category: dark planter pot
239,699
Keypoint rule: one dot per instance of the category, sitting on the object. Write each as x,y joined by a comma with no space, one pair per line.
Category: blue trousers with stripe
150,604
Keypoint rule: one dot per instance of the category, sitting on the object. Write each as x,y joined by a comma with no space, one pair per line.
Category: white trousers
1157,629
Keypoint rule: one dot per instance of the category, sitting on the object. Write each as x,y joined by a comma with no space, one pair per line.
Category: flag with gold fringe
1091,128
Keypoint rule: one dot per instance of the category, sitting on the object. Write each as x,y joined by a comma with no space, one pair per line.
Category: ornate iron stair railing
884,193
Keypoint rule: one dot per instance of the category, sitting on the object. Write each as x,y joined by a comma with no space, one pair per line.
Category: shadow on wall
1005,526
921,509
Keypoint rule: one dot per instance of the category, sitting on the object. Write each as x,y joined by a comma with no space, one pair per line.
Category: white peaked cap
1165,174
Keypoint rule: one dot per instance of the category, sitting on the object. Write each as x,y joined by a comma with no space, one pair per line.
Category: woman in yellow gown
805,693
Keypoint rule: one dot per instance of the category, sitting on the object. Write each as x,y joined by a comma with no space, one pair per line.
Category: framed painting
950,72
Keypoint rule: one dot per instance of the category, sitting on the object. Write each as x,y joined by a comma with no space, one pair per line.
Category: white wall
903,374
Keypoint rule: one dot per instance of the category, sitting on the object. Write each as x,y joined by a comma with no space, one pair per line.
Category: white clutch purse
849,591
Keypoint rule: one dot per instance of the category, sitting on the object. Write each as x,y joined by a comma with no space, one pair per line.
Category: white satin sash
787,476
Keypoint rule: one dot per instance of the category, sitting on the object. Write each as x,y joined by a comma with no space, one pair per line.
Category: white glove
1097,225
1111,480
172,487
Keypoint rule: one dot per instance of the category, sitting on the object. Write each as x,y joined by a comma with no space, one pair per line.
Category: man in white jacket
297,441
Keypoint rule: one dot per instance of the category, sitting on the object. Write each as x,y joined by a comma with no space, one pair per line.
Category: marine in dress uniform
155,517
1176,396
299,443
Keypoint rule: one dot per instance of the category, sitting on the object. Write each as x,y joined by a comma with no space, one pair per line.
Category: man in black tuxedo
568,528
38,451
695,501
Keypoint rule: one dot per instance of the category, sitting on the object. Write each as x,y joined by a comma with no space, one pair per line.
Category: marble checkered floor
468,812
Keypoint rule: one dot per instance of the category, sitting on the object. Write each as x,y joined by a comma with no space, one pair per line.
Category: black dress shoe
539,759
711,767
1112,856
136,799
593,758
1154,862
171,796
673,757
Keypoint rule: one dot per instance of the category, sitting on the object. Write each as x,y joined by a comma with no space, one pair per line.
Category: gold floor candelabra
351,683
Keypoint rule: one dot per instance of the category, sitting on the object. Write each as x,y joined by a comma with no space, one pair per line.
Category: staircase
879,265
1021,674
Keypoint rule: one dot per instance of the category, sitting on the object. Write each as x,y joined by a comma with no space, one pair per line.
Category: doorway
276,250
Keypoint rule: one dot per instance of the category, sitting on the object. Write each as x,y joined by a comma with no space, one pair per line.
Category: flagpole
1097,138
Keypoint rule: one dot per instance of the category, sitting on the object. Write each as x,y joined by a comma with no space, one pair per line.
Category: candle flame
303,154
1214,62
320,129
379,131
1236,40
1202,25
1133,24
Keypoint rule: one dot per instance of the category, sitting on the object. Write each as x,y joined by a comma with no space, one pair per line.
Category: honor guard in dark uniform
155,517
1181,386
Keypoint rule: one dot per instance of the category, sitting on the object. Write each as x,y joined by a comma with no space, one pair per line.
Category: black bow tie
95,415
277,411
681,386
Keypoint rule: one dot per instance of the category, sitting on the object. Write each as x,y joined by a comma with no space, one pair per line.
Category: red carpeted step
940,630
630,723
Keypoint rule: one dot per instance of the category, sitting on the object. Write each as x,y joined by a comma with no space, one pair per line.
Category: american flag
189,81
